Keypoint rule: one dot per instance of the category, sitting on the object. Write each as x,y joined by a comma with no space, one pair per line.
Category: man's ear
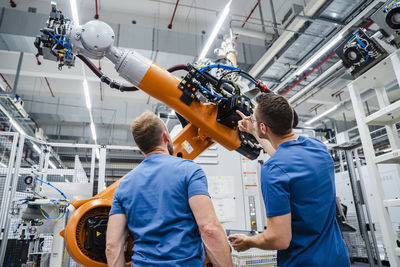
264,128
165,137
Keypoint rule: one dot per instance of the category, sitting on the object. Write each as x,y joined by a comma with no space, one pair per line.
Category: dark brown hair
275,112
146,131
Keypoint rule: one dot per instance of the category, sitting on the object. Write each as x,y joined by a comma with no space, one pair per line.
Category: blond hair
147,130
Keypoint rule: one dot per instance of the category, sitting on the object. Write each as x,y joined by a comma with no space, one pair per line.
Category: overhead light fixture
320,53
93,129
89,104
216,29
323,114
74,11
3,165
87,95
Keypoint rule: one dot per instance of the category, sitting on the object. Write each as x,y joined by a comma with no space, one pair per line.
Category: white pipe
317,80
252,34
312,7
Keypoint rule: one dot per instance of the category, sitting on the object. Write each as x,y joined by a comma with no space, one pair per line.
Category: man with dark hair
164,203
298,187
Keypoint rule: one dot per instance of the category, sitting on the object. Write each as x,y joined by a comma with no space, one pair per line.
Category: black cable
234,71
104,78
178,67
181,119
224,58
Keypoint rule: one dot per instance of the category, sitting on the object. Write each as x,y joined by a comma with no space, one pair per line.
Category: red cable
173,15
369,24
37,60
48,84
319,65
6,82
251,13
308,73
96,16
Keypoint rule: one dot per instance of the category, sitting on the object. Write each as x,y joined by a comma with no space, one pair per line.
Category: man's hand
246,125
239,242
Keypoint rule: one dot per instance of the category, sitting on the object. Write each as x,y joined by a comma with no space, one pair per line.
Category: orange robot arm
202,131
212,117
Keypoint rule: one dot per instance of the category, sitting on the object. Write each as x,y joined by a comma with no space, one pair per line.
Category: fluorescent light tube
215,31
322,114
319,54
86,92
93,129
74,11
3,165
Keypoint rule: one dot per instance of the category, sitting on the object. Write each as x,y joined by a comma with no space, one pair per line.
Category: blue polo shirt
154,196
299,179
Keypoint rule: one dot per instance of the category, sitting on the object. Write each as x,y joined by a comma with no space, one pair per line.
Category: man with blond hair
165,204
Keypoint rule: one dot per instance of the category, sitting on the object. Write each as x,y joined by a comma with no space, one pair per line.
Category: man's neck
158,150
276,141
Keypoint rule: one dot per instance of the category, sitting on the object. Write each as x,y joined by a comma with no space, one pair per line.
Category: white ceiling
192,16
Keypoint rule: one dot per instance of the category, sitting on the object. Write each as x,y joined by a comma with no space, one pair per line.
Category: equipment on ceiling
388,19
360,52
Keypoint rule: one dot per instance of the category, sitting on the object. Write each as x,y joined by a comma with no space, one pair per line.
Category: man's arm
212,233
277,236
117,233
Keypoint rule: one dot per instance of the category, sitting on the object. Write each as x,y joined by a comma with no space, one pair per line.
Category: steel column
21,57
365,200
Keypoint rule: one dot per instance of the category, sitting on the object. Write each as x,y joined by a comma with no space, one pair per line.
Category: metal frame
378,77
358,200
367,209
12,179
11,196
6,189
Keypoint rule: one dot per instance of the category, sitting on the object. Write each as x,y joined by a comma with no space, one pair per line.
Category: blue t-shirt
299,179
155,198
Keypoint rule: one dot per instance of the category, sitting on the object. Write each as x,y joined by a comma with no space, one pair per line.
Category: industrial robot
206,101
